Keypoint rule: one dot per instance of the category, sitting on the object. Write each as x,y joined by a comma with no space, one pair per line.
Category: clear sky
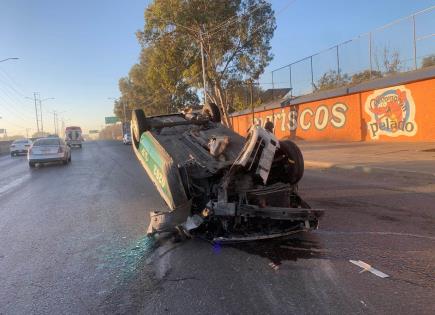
76,51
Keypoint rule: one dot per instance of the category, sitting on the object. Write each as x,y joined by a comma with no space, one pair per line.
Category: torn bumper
247,223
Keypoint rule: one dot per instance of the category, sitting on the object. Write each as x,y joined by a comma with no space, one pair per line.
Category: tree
365,75
154,86
111,132
390,62
235,36
428,61
238,96
330,80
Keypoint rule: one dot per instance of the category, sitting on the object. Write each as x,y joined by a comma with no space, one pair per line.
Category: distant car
20,146
127,138
46,150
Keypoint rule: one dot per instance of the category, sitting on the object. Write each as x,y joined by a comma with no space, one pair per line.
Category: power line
233,18
10,79
15,104
12,110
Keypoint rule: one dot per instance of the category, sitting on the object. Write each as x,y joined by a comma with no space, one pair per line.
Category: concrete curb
366,169
318,164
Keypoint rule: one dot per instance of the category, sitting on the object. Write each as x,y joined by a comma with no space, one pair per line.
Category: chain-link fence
403,45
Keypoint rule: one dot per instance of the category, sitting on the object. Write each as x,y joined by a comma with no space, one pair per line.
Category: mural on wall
307,118
392,113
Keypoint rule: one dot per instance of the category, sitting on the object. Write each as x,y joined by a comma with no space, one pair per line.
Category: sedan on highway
20,146
127,138
46,150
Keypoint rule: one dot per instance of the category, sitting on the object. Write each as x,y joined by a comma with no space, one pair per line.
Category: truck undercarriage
219,185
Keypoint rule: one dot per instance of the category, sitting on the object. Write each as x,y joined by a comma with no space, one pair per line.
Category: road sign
111,120
94,131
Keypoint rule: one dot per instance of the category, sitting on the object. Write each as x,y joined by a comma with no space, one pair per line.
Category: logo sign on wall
309,118
392,113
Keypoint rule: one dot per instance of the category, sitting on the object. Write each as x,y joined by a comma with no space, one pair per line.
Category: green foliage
239,96
154,84
331,79
235,35
428,61
365,76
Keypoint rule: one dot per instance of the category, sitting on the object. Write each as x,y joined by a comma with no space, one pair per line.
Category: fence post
415,43
312,74
370,54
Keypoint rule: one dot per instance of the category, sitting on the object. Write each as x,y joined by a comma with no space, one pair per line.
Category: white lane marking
16,182
367,267
373,233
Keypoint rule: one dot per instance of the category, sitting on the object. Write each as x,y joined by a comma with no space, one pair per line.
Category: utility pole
63,127
57,124
54,123
203,67
40,112
27,132
40,109
36,112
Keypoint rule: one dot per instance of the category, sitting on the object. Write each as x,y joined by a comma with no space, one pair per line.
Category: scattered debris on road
367,267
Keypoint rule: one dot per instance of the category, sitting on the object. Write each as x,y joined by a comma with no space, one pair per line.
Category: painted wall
398,113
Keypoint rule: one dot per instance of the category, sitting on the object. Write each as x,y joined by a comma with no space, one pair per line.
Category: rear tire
31,164
212,110
12,154
139,124
294,168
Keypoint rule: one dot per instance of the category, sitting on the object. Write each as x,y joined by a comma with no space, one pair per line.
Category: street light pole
40,109
54,122
40,113
36,112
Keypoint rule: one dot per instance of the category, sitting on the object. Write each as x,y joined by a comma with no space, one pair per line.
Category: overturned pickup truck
218,184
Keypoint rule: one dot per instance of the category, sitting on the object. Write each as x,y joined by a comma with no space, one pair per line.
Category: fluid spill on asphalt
300,246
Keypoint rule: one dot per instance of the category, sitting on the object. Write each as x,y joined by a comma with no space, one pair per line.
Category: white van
73,136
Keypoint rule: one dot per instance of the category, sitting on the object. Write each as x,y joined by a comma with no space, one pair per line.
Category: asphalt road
72,241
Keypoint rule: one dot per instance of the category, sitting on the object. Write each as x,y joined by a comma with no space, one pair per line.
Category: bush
428,61
331,80
365,75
